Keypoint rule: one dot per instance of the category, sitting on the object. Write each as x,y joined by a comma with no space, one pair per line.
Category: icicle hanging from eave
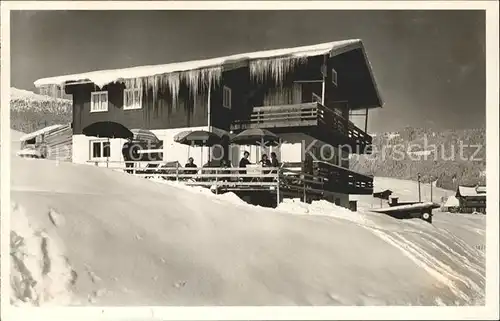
275,68
199,80
196,81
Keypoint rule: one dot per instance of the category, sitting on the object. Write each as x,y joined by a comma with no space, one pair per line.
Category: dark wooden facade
475,202
319,110
355,90
469,204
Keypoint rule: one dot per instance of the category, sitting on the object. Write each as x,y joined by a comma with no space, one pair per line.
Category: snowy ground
91,236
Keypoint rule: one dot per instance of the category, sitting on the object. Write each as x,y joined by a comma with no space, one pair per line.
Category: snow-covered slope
470,228
30,111
29,96
15,144
106,238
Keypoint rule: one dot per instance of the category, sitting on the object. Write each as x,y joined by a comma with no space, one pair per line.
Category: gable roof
468,191
104,77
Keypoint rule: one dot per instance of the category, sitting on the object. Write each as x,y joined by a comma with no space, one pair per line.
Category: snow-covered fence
283,181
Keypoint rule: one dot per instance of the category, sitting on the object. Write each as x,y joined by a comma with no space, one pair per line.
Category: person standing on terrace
264,161
274,160
191,164
244,161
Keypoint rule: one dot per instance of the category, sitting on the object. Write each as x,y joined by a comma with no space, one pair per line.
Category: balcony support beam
366,121
324,72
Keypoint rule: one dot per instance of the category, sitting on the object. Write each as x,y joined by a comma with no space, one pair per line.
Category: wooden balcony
334,178
310,118
343,180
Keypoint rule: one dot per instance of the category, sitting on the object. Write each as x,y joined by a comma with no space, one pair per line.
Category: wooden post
304,191
209,109
366,121
177,172
419,195
216,182
431,190
278,190
324,73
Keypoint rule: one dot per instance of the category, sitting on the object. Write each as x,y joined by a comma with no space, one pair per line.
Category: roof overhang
104,77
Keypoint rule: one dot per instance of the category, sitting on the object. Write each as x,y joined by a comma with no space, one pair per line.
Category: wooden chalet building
471,199
306,95
53,142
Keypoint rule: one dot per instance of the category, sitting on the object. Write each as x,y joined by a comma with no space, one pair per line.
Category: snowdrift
114,239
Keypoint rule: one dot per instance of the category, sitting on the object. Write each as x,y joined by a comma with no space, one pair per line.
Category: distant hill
450,156
30,111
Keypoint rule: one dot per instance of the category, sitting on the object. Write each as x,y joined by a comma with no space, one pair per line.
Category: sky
429,65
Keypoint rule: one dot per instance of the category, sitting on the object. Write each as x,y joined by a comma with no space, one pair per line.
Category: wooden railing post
177,172
278,190
216,182
304,187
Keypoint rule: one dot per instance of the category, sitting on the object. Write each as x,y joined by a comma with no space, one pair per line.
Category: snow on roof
471,191
481,189
452,201
103,77
22,94
40,132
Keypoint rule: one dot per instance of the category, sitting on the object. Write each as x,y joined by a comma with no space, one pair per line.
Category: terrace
312,118
291,180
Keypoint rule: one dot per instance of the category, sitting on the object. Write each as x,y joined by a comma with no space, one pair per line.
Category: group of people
264,161
130,153
224,163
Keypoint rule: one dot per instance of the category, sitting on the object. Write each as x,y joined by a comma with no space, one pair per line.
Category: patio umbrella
199,138
180,136
144,135
107,129
256,136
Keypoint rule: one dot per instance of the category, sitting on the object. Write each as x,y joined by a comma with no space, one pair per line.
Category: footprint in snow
56,218
180,284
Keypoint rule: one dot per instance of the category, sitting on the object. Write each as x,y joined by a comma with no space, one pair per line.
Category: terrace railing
284,181
292,177
339,179
305,115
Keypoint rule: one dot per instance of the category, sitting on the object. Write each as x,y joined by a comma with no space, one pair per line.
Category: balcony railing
343,180
337,179
313,115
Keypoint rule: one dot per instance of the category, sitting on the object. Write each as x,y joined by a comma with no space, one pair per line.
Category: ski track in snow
418,252
442,272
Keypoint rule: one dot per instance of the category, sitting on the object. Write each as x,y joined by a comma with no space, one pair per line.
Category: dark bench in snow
408,211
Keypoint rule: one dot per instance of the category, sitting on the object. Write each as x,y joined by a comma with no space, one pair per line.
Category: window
334,77
100,149
132,98
99,101
226,97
